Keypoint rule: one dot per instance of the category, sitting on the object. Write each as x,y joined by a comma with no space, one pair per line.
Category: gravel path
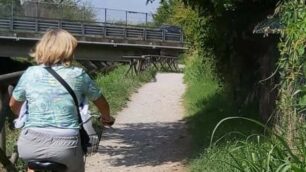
149,135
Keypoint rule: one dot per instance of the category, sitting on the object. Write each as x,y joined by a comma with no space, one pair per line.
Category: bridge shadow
146,144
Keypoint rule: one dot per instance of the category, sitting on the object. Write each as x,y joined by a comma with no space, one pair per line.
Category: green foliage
201,83
292,45
163,12
284,149
68,9
207,104
198,70
174,12
224,33
256,152
73,11
11,147
222,43
5,7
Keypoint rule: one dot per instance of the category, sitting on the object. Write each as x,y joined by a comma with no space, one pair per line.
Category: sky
130,5
126,5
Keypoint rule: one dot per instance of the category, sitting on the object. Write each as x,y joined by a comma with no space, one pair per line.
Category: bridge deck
91,32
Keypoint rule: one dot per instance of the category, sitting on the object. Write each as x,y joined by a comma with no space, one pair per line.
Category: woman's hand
107,120
15,106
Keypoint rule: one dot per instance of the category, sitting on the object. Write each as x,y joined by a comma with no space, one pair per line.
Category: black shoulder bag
83,134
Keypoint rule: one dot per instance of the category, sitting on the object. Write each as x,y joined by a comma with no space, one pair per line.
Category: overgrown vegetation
67,9
232,72
291,102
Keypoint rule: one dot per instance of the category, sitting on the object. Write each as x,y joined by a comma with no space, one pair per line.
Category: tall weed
255,153
266,153
206,104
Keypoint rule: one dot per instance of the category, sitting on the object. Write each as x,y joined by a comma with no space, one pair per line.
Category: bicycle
46,166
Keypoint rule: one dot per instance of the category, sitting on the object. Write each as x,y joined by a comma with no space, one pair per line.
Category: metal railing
39,17
88,29
5,81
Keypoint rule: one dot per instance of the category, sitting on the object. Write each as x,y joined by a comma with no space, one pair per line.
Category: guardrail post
12,24
83,14
182,37
126,17
36,25
60,24
144,34
105,30
163,35
83,29
146,18
105,15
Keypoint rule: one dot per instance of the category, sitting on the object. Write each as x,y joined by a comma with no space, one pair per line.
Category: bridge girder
84,51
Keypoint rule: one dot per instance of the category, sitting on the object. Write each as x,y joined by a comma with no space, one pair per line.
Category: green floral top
49,103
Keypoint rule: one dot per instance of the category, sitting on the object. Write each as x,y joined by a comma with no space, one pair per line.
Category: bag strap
68,88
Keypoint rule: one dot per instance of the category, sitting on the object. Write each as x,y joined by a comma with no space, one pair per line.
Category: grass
239,143
207,103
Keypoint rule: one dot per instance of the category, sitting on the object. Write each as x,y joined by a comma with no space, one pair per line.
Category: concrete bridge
97,40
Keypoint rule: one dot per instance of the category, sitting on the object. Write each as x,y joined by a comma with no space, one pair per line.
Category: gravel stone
150,134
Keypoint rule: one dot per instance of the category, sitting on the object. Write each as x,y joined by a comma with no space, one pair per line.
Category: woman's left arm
18,94
15,105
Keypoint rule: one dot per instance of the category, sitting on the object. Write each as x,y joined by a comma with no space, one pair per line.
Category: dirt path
149,135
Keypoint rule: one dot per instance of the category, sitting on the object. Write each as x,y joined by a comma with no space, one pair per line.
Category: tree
6,7
164,12
222,30
58,9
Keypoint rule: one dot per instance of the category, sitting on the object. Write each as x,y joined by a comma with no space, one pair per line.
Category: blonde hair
55,47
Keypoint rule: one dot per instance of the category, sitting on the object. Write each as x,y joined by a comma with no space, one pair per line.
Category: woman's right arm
94,94
104,109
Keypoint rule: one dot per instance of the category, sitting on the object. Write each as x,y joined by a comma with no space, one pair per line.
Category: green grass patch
239,143
206,104
256,153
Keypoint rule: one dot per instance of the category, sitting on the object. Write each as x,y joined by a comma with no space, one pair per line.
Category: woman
51,131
